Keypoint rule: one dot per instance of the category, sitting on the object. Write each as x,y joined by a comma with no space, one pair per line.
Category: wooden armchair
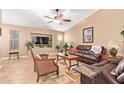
44,66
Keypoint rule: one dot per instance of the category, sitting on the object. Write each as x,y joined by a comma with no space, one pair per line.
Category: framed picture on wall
88,35
0,31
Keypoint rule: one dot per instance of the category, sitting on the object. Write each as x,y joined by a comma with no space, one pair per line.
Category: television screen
42,40
45,40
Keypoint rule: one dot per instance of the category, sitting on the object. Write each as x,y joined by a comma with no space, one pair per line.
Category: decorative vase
113,52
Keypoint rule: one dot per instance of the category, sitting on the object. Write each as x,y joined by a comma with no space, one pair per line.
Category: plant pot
66,54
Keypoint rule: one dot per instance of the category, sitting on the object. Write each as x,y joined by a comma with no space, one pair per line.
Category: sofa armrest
110,79
100,64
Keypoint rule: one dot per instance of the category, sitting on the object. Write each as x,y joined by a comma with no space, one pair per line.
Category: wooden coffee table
61,56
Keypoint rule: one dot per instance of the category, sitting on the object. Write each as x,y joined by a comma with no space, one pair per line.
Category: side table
95,78
13,53
111,58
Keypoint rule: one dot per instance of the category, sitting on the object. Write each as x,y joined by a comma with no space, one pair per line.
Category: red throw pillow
74,50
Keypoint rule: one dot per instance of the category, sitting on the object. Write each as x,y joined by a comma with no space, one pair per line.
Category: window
14,40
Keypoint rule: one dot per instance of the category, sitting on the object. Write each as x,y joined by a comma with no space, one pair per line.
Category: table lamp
113,48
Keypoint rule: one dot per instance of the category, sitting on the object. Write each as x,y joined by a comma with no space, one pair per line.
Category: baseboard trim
5,58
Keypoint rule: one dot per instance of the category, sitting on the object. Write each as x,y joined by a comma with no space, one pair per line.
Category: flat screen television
42,40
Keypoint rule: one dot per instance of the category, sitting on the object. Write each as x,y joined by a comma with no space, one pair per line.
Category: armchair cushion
38,57
45,66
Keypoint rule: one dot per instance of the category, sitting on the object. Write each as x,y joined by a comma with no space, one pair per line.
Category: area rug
69,77
65,76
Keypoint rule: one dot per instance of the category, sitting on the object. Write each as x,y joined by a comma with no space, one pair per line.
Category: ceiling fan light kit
57,21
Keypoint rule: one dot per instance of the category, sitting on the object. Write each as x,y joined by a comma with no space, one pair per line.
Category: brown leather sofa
106,68
87,56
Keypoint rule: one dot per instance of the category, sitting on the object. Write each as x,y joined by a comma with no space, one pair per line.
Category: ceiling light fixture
57,21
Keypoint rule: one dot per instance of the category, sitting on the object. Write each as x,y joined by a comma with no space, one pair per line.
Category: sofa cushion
91,57
120,78
86,47
79,51
97,49
91,52
85,51
77,54
120,67
80,47
108,67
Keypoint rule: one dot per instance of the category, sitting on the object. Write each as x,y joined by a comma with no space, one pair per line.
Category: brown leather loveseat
87,56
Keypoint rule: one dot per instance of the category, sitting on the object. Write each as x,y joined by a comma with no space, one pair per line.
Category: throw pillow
97,49
91,52
120,67
120,78
74,50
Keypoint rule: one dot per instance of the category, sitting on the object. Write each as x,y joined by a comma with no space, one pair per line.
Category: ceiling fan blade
48,17
50,22
66,20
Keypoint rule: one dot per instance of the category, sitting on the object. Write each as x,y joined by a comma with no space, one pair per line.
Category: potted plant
61,47
29,45
57,48
122,33
65,46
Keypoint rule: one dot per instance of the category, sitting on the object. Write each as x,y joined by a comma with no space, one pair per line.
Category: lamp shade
113,44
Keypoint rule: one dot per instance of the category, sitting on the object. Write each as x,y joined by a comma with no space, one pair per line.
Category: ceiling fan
59,18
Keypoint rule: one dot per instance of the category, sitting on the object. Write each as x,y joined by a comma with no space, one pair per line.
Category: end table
111,58
87,79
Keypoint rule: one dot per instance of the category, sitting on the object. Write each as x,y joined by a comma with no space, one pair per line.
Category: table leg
65,60
18,56
57,58
78,62
69,64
